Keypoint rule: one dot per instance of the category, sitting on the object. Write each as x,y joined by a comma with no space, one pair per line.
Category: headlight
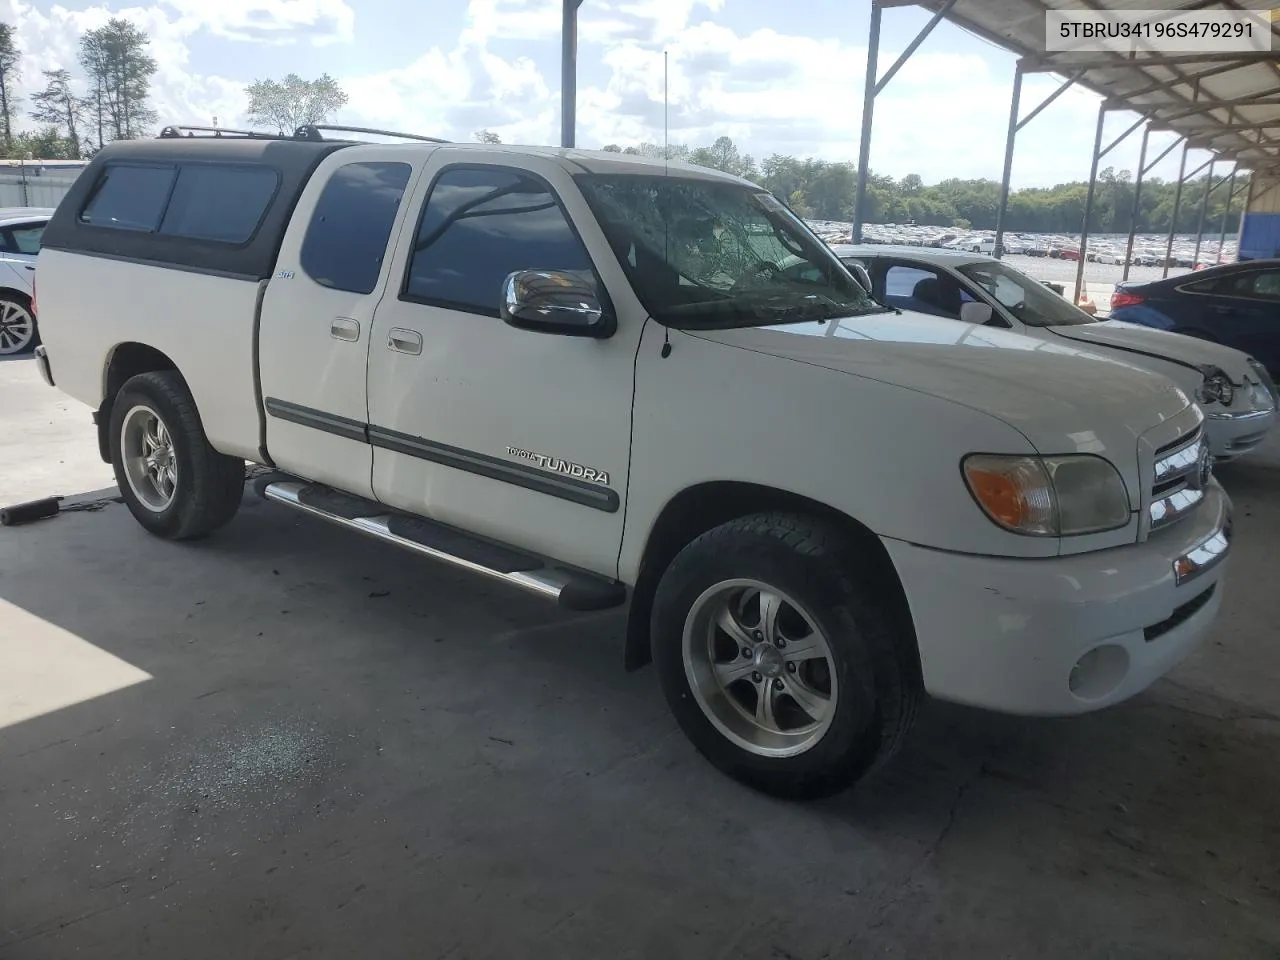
1048,496
1216,388
1265,379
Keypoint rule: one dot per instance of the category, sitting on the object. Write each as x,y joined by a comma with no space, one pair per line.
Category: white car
1229,385
21,229
590,376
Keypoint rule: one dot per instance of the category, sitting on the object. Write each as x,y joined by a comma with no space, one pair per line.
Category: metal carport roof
1227,103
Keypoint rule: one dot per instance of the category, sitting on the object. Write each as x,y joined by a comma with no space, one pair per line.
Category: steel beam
1010,136
1114,143
873,88
1177,203
868,106
1164,153
1204,206
1226,212
1137,200
1263,101
1088,201
569,72
1242,58
1066,85
914,44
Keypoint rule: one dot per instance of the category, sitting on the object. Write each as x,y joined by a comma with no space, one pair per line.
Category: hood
1161,344
1061,398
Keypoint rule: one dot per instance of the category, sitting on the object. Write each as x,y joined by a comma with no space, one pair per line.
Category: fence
36,187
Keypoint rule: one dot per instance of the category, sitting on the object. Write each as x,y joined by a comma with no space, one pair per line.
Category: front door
318,317
518,435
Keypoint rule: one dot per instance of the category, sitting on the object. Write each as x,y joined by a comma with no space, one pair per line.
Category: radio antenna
666,138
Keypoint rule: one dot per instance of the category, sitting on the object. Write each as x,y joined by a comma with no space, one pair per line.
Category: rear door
317,315
1241,310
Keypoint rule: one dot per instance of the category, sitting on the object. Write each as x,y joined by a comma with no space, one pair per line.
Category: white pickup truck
585,375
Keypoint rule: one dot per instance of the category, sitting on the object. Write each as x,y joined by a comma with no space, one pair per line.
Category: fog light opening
1099,672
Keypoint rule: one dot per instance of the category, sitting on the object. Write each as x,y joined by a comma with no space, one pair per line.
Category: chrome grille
1177,485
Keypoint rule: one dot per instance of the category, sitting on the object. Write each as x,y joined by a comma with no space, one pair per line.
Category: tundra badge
556,465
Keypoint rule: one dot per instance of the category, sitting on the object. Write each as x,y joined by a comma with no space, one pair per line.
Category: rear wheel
17,325
781,667
175,484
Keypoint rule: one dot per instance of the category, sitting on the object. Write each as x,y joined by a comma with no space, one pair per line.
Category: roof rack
308,131
175,131
314,131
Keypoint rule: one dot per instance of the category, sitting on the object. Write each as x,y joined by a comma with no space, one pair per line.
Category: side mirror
977,313
861,275
555,301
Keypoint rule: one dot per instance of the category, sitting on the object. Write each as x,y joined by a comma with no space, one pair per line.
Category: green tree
825,190
486,136
10,70
294,102
115,58
58,106
48,143
798,205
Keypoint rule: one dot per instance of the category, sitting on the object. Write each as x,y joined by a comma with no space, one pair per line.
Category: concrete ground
288,741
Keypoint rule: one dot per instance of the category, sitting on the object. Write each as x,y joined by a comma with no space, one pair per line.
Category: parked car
588,375
1237,305
20,231
1233,388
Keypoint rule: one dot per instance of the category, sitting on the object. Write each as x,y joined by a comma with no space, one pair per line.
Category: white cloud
269,21
944,114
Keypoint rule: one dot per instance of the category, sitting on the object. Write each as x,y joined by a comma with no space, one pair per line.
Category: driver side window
924,290
481,224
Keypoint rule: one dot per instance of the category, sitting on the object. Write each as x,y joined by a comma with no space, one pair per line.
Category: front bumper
1232,434
1070,634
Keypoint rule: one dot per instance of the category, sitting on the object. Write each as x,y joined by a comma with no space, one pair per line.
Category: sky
776,77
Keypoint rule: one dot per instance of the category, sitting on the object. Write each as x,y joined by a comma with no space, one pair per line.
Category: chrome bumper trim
1202,558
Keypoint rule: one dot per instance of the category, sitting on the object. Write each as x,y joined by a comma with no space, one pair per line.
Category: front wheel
783,669
174,483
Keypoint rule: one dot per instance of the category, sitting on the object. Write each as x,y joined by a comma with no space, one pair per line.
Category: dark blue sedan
1237,305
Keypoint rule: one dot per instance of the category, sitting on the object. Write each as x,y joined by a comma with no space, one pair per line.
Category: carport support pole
1088,200
1137,200
569,72
1248,202
1177,203
868,106
1204,206
1226,211
1010,137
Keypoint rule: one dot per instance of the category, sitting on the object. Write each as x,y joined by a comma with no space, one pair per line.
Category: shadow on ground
344,750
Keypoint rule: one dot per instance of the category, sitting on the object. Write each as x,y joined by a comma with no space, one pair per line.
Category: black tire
208,486
9,344
874,665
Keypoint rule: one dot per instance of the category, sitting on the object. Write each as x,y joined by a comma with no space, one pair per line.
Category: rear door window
130,196
1256,284
26,238
347,238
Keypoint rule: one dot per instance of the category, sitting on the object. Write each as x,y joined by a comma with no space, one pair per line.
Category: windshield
1027,299
705,254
